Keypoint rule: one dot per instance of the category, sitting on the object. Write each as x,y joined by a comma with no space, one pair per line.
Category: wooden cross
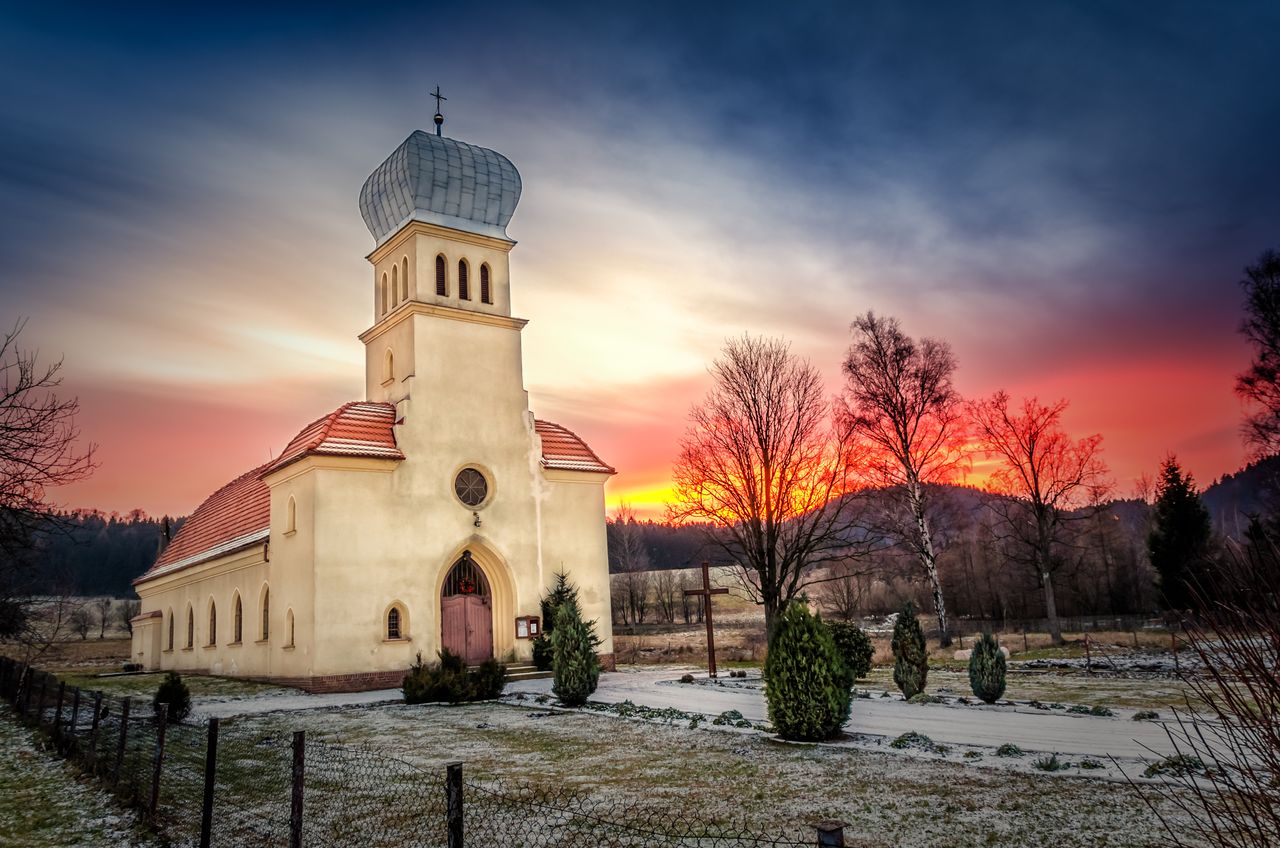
705,593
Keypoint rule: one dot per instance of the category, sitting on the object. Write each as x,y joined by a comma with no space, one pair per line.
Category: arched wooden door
466,612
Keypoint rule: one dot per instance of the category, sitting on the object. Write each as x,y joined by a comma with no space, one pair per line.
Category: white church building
432,513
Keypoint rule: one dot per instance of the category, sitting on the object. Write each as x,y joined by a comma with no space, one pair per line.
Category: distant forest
99,553
102,553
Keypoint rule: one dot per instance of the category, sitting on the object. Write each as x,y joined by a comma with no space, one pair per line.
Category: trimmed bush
574,661
174,694
807,683
910,658
450,681
987,669
854,646
542,653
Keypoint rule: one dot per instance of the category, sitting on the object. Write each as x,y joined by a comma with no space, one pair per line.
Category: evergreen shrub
574,661
450,681
174,694
910,657
987,669
807,684
854,646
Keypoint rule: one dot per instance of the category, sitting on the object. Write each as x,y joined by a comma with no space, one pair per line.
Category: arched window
170,630
266,614
191,627
388,366
486,296
464,289
237,629
382,307
288,619
291,516
393,623
404,277
395,284
442,285
213,622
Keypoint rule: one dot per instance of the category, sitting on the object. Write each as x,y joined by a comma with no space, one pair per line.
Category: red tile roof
353,429
232,518
563,450
239,514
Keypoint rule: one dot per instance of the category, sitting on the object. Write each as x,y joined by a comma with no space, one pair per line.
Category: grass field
638,768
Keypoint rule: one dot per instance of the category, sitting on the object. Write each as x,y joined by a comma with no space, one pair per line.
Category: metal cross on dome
439,118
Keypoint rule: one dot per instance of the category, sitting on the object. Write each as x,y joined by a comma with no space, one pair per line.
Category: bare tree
1044,481
842,595
899,399
667,593
125,612
103,608
631,562
38,451
81,622
765,469
1227,750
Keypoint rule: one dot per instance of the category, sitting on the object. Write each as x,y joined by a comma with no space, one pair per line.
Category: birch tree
899,399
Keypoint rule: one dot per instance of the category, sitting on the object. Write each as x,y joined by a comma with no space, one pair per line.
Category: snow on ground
43,802
635,770
1096,746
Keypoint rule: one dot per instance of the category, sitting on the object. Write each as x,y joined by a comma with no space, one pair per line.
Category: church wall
292,552
245,572
574,541
429,244
397,338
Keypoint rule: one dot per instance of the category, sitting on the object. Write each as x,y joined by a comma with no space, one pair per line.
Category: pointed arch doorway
466,612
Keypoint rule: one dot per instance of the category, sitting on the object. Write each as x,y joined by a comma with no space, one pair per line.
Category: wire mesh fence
232,784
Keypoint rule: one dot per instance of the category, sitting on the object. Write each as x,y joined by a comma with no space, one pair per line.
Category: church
435,512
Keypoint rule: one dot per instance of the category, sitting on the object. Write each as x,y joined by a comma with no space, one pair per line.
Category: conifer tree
807,684
574,661
1181,536
910,657
987,669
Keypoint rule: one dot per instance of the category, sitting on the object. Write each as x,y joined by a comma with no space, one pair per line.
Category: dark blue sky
1066,192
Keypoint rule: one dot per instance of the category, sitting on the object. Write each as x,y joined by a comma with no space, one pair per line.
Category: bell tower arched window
382,295
395,285
404,278
486,296
464,285
442,285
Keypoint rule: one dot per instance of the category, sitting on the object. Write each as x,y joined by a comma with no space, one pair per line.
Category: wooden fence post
44,684
93,731
24,684
830,834
124,733
57,714
75,716
210,777
299,774
162,721
453,802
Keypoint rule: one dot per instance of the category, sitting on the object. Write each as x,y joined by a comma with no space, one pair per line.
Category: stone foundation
608,662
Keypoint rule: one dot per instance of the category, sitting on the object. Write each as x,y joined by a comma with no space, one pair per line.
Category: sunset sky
1064,192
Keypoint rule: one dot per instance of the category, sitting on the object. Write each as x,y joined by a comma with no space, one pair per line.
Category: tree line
805,494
